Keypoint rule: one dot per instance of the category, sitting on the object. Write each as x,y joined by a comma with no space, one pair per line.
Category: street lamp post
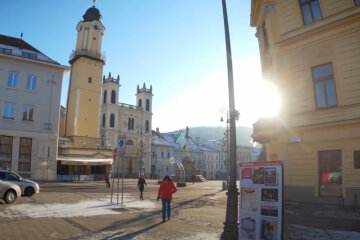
231,226
226,144
141,146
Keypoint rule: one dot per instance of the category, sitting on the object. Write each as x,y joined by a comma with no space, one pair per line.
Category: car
28,187
9,192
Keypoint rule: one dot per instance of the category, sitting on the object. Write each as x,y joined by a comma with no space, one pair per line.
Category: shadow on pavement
133,234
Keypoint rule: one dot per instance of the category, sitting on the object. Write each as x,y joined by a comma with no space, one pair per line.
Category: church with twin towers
94,118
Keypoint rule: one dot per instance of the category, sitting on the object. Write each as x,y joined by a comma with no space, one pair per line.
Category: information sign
261,200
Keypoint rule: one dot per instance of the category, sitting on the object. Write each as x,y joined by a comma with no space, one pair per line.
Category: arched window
113,96
129,143
103,120
112,120
104,98
147,126
89,80
147,105
140,103
129,123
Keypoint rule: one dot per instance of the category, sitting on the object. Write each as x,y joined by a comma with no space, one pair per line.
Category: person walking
166,190
141,183
107,179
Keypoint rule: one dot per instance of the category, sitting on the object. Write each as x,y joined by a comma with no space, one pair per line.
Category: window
357,159
13,80
147,105
168,155
131,123
103,120
28,113
265,35
31,83
5,50
5,152
25,154
324,84
89,80
357,2
330,173
147,126
29,55
9,110
140,103
162,154
112,120
113,96
104,98
311,11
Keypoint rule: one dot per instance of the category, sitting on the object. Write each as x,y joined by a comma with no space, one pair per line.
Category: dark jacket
141,183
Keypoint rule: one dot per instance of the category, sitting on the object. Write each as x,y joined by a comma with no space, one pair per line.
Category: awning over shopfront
84,161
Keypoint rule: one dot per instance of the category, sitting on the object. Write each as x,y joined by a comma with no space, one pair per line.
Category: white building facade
30,91
132,121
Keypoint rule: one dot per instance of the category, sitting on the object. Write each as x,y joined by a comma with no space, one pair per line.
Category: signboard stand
261,200
119,151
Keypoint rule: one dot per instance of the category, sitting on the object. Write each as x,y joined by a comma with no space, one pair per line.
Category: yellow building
310,50
80,152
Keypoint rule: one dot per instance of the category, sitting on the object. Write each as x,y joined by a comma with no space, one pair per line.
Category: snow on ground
299,232
200,236
338,214
83,208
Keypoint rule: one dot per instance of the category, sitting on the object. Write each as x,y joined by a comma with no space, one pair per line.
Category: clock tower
84,95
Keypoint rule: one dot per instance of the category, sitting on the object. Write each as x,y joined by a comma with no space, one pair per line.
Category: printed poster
260,200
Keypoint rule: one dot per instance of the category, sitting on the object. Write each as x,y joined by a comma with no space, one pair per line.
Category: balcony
266,130
87,53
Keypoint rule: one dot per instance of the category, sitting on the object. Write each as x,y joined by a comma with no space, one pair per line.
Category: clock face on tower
96,28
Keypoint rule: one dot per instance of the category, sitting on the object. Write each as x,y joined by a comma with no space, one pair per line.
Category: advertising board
261,200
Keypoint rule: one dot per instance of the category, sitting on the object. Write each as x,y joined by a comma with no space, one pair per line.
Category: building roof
20,48
92,14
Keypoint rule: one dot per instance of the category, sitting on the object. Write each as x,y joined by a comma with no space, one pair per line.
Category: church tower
84,96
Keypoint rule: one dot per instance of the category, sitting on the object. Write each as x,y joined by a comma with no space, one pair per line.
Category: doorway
330,173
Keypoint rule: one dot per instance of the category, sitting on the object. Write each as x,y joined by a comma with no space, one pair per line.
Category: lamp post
141,147
231,226
226,144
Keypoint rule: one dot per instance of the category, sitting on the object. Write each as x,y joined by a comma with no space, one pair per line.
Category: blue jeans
166,208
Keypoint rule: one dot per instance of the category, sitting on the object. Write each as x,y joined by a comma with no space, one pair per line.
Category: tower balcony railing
130,106
87,52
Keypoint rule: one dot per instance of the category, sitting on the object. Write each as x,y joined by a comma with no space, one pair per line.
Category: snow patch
338,214
83,208
309,233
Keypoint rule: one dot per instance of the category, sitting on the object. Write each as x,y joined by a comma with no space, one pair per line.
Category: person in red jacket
166,190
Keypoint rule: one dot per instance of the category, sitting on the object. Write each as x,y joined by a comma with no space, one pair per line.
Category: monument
189,165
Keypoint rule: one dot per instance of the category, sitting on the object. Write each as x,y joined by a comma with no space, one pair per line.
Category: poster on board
260,200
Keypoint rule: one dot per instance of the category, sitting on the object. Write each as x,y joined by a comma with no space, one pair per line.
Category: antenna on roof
21,35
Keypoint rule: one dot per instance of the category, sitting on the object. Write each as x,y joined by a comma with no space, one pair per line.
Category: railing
86,52
130,106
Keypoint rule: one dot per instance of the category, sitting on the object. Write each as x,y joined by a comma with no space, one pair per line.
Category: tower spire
94,1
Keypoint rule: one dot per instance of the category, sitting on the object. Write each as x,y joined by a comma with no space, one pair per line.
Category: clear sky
177,46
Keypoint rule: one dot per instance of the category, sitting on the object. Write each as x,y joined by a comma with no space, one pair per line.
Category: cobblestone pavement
198,212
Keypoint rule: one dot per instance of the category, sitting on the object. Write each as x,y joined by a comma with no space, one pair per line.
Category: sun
255,97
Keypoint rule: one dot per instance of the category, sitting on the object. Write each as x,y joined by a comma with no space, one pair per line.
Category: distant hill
243,134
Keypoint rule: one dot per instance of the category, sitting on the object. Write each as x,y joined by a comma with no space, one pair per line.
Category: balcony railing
130,106
86,52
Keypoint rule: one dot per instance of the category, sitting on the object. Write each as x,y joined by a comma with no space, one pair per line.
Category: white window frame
30,82
6,115
13,83
26,110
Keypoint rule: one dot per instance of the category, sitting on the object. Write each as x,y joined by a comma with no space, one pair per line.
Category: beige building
310,50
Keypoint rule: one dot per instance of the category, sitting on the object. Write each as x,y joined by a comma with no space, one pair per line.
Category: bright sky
177,46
